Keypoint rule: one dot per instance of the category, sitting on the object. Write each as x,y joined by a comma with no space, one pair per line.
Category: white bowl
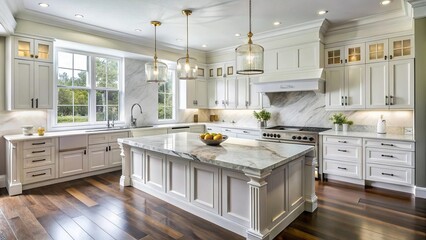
27,130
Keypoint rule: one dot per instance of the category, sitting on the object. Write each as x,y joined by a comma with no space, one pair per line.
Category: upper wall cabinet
390,49
29,73
345,55
33,49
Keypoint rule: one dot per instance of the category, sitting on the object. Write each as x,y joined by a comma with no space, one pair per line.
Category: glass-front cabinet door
334,56
354,54
33,49
401,48
377,51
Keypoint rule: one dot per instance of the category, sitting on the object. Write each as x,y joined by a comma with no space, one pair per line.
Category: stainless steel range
296,135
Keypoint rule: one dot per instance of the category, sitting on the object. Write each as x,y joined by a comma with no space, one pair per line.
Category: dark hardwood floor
96,208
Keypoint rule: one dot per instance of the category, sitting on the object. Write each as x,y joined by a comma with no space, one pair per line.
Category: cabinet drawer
211,129
397,145
247,132
46,142
37,152
345,169
38,174
342,140
342,152
38,161
114,136
397,175
388,157
98,138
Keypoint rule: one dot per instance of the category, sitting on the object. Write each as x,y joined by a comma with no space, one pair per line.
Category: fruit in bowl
213,139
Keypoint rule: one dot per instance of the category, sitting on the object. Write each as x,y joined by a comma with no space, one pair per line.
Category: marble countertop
234,153
399,137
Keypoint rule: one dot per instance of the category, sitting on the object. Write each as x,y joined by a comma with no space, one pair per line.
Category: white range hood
311,80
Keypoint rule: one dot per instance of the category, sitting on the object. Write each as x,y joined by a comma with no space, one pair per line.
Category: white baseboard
2,181
389,186
420,192
345,179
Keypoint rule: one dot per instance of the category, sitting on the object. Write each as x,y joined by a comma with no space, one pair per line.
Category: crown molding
6,19
419,8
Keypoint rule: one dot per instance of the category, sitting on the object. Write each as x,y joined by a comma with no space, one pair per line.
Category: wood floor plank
6,231
72,228
55,230
92,229
80,196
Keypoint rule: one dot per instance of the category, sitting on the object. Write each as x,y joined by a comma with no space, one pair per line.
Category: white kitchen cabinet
231,93
104,151
98,156
212,100
193,94
73,162
33,49
155,166
205,186
401,48
178,178
345,55
345,88
390,85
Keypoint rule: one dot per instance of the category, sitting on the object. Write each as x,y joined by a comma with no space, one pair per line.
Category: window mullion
92,89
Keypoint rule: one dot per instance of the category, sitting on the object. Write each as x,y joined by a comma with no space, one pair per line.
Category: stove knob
311,139
305,138
264,134
278,136
299,137
294,137
275,135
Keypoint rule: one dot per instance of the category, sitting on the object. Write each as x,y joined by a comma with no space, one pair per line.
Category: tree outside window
166,98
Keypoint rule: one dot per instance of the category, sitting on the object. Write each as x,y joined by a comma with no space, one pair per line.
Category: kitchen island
252,188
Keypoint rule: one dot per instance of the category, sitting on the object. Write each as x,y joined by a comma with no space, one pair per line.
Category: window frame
175,102
52,115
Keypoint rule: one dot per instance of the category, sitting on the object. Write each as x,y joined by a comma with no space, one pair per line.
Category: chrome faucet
132,119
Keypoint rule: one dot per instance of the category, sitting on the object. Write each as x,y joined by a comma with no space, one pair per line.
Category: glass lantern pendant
187,68
156,71
249,57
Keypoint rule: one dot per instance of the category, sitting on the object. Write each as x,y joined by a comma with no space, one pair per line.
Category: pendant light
186,66
156,71
249,57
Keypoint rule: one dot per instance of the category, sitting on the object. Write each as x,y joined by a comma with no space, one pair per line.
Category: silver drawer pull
209,129
227,130
40,160
389,156
40,143
340,150
245,132
42,151
40,174
343,168
388,144
342,141
388,174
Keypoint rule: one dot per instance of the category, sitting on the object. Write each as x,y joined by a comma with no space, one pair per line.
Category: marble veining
238,154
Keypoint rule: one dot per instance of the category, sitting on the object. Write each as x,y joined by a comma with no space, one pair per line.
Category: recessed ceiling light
237,34
204,45
79,16
138,30
322,12
385,2
44,5
277,23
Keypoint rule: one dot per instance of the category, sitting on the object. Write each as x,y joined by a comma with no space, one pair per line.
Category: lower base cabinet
98,156
205,187
72,162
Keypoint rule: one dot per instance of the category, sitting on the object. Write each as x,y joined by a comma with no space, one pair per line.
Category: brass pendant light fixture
156,71
249,57
186,66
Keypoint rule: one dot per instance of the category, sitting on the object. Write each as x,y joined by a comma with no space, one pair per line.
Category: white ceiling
214,22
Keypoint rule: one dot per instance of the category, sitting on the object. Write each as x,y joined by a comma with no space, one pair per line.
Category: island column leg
311,202
125,161
258,206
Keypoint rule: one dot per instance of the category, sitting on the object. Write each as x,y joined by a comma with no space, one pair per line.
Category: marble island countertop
238,154
399,137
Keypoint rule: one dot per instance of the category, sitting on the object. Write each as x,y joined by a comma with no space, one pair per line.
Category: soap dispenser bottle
381,125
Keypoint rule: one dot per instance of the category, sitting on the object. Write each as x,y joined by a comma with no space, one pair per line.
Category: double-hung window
166,98
88,89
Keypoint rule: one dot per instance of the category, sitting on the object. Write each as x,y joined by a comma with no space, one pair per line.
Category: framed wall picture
230,71
200,72
211,73
219,72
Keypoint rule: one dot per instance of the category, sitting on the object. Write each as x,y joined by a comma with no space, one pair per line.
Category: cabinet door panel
377,51
155,170
211,93
72,162
271,61
288,59
24,48
43,50
355,86
401,84
231,93
254,97
355,54
401,48
201,93
137,164
43,85
178,177
98,157
114,155
335,78
235,197
242,93
205,187
377,85
220,92
23,84
308,57
334,56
